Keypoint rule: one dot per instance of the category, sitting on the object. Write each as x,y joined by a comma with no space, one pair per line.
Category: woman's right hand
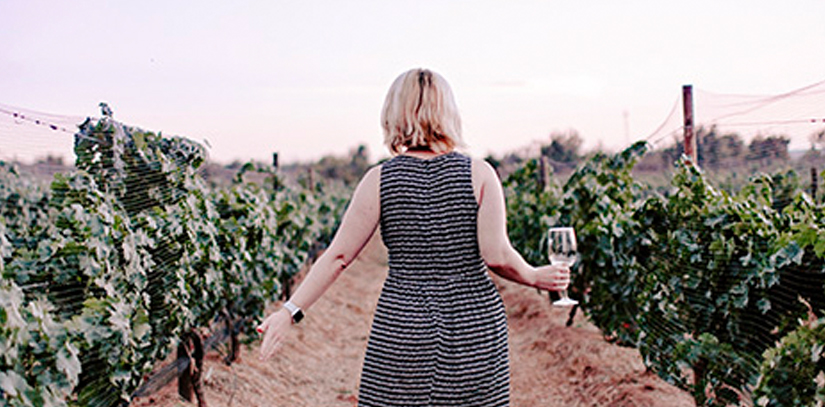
274,329
552,278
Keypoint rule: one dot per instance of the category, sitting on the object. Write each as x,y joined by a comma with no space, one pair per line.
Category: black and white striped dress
439,337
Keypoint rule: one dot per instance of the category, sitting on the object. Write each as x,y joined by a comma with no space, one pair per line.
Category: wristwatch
297,314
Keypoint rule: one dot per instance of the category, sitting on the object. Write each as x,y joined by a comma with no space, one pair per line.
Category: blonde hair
420,111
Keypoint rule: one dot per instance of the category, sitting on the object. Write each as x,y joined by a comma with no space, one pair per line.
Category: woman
439,335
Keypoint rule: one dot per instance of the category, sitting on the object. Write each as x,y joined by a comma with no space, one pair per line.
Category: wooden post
189,381
544,184
813,183
544,173
690,139
185,386
286,287
234,342
275,172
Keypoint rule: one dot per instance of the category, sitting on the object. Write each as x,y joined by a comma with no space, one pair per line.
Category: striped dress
439,336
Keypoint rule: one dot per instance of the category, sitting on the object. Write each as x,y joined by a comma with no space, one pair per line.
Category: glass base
565,302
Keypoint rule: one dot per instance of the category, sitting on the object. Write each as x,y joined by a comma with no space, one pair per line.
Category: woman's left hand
552,278
274,329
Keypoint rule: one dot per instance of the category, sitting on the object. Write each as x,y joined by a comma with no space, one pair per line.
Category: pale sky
308,78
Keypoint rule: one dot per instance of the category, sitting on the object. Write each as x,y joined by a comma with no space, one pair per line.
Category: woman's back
439,336
428,217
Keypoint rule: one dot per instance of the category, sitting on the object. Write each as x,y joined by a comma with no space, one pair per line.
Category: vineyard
722,294
107,268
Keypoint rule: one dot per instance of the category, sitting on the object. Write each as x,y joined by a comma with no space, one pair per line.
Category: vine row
104,270
709,285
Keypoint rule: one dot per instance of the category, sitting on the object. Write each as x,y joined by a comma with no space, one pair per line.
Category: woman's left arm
494,242
357,226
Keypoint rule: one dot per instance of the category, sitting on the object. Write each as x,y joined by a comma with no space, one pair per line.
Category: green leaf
13,384
764,305
140,140
68,363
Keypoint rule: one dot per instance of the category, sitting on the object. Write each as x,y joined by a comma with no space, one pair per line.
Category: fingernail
260,330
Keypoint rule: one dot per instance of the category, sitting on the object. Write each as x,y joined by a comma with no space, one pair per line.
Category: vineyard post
690,139
700,366
286,288
234,342
545,169
542,187
544,173
275,172
190,380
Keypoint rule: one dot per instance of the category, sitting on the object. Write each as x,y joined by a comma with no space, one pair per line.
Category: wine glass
562,252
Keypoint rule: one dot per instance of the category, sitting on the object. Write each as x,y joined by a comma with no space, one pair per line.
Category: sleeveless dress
439,335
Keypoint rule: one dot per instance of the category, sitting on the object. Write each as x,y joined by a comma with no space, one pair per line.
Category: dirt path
551,365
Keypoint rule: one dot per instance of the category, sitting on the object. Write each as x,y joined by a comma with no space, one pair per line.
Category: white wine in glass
562,252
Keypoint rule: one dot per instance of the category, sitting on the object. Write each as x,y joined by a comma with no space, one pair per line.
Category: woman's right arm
494,243
357,226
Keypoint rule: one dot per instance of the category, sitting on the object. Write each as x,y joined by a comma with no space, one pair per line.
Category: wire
667,118
31,118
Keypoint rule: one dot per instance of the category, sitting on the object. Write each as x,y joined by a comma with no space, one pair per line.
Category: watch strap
294,311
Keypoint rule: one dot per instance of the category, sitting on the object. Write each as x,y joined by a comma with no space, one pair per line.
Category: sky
308,78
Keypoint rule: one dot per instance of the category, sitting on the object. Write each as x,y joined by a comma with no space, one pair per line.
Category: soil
551,364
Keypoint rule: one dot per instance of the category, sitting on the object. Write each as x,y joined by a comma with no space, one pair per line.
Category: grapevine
104,270
697,278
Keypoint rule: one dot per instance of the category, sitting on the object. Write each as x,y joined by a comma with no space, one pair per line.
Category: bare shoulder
483,175
483,171
366,197
373,175
370,183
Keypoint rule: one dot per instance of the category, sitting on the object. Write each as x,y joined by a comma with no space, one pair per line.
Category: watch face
294,311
